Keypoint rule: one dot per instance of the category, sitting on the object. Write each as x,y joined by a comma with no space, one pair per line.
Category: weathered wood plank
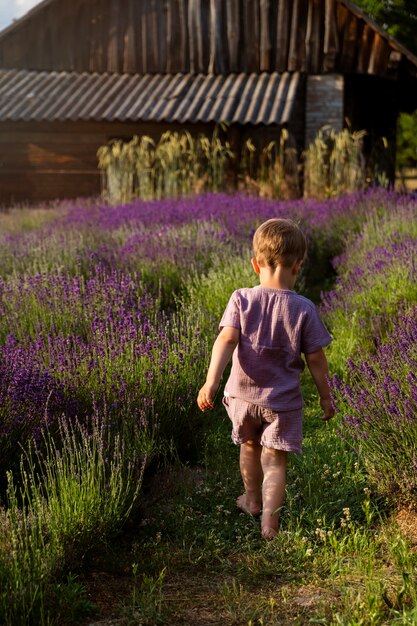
98,49
251,36
282,37
175,58
265,52
122,37
196,27
309,36
82,35
161,33
233,34
297,50
152,37
349,43
172,41
114,29
34,156
144,37
130,41
331,36
218,61
23,186
379,55
317,37
365,47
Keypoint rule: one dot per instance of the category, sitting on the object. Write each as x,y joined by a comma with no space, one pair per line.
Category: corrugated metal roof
265,98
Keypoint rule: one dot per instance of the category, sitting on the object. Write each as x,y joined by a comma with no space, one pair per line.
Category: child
265,329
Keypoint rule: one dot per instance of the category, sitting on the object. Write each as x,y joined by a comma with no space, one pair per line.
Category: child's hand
328,409
206,396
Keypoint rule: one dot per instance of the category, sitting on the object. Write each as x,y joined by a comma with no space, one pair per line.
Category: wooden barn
74,75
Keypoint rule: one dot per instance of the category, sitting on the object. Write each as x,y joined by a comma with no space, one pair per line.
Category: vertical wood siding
197,36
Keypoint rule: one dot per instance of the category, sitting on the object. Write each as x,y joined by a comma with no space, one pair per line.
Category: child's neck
280,278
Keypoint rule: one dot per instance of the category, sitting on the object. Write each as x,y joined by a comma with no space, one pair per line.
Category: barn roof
187,60
62,96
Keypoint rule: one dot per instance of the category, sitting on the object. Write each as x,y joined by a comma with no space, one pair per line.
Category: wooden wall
207,36
45,161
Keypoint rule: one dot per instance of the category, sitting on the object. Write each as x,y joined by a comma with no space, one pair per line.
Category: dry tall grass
181,165
334,163
177,165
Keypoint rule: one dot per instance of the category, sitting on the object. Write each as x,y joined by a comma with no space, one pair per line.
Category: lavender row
378,409
78,237
373,315
140,373
376,282
57,302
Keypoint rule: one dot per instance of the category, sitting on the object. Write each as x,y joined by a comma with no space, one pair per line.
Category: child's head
279,242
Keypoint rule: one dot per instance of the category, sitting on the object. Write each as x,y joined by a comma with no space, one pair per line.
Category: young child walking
266,329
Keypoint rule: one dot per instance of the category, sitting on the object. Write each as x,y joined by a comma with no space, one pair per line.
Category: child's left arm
223,349
317,364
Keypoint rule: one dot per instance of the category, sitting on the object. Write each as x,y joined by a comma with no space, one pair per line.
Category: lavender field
107,316
99,305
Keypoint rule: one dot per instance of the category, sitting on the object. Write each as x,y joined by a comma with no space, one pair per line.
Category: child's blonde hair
279,242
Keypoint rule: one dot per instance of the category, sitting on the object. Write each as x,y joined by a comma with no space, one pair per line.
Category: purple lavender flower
378,408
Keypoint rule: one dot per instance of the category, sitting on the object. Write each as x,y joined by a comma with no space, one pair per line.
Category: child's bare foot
248,507
269,533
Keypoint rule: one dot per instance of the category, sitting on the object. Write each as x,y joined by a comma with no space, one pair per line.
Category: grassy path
194,559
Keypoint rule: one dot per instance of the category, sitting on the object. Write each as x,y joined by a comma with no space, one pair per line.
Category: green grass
338,560
66,500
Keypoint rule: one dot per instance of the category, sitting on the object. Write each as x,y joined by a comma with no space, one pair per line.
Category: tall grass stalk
27,559
117,164
89,482
74,492
334,163
274,172
19,220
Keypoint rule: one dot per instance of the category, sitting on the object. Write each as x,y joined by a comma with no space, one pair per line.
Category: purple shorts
281,430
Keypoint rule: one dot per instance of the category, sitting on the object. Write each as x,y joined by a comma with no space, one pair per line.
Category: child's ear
297,266
255,265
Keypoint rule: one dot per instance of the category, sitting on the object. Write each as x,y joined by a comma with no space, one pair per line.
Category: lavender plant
376,283
379,411
66,500
122,364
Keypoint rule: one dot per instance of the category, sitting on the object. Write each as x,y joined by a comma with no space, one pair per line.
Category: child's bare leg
274,465
251,469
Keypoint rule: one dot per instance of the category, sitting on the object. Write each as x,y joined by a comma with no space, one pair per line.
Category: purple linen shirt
276,326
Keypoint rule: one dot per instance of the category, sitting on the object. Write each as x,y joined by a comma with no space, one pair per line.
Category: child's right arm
223,349
317,364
